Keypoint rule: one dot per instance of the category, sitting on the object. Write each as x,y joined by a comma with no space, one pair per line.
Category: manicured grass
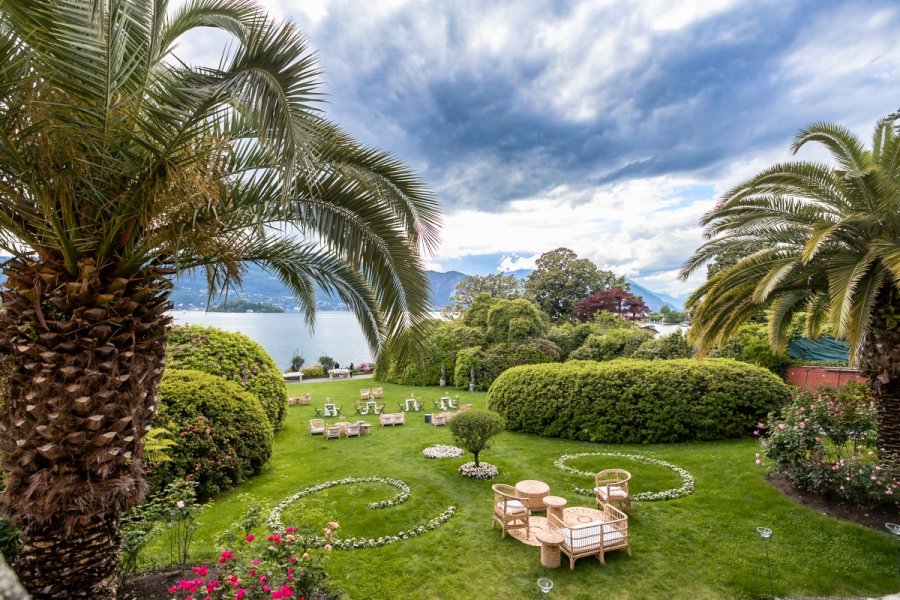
701,546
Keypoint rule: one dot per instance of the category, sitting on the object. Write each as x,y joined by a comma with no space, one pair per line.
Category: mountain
259,286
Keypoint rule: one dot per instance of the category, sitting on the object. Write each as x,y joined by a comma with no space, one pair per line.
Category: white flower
482,471
442,451
180,504
687,480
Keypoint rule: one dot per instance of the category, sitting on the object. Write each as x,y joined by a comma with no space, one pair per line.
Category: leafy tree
297,362
121,164
327,362
477,313
666,347
561,279
513,320
475,430
617,301
819,238
495,285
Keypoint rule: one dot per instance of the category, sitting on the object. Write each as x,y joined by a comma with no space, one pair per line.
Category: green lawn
701,546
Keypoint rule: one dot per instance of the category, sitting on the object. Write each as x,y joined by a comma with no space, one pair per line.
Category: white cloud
514,262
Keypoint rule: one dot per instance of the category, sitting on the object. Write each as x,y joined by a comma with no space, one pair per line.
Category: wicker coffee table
532,493
550,541
555,506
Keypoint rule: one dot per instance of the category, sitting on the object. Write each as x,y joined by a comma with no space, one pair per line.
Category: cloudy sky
608,127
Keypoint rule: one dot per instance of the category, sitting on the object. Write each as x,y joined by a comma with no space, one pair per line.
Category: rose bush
824,443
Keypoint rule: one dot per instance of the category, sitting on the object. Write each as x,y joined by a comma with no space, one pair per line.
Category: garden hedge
222,431
232,356
637,401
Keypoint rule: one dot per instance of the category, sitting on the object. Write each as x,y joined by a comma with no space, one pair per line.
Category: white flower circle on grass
353,543
442,451
687,480
482,471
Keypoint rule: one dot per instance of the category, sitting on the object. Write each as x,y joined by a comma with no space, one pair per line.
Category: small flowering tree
824,443
475,430
286,565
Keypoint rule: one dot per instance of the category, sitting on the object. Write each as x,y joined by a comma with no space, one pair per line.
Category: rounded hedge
222,431
637,401
232,356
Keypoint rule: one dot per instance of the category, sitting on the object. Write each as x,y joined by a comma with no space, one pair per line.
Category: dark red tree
617,301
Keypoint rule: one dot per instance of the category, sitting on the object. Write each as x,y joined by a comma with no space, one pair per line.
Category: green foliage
475,430
251,518
824,443
513,320
222,431
477,314
466,360
490,362
751,345
327,362
232,356
443,339
568,337
10,542
674,345
314,372
297,362
561,279
615,343
637,401
496,285
157,443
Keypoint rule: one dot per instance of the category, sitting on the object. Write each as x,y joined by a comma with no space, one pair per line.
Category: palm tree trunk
83,356
879,359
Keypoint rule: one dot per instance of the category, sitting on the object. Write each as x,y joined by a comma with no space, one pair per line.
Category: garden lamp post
443,376
472,379
765,535
545,584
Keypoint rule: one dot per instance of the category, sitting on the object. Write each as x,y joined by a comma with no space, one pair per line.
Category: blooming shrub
285,565
824,443
442,451
222,432
313,372
480,471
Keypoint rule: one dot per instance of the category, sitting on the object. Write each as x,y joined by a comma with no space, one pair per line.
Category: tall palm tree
821,239
121,164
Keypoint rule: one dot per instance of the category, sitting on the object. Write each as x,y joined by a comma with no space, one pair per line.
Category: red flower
250,537
225,556
201,570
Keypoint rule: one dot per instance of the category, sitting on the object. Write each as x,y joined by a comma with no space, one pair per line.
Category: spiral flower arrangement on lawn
687,480
353,543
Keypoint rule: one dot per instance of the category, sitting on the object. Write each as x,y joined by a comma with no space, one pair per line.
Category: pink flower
333,525
211,586
781,426
327,548
240,594
755,432
759,462
201,570
266,588
255,562
250,538
761,425
275,538
225,556
172,589
305,556
290,530
179,504
818,439
293,559
802,425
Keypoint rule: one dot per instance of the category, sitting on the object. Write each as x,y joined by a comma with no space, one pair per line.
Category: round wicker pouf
550,541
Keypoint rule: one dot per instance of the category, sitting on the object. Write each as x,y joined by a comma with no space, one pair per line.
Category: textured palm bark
879,359
83,357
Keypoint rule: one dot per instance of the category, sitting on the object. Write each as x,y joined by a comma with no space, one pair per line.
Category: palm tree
820,239
120,165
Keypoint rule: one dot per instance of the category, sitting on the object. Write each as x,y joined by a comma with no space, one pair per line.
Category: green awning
824,348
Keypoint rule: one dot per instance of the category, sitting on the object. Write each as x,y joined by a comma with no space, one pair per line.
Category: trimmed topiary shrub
674,345
615,343
637,401
476,430
313,372
223,433
232,356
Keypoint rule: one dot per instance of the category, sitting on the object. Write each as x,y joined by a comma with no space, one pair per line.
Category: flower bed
687,480
442,451
482,471
353,543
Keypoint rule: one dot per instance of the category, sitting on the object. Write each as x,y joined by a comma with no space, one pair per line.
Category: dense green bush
631,401
751,345
674,345
222,431
511,321
232,356
314,372
568,337
443,339
615,343
490,362
466,360
824,443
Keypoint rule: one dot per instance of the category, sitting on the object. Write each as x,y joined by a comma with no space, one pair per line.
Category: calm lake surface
336,334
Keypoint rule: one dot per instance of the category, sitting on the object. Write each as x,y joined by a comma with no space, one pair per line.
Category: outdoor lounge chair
391,418
332,431
377,392
316,426
465,407
362,408
611,487
352,430
439,419
509,511
365,394
594,538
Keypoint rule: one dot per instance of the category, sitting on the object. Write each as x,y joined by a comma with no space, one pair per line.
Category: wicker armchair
509,511
465,407
611,487
352,430
332,432
595,538
316,426
377,392
365,394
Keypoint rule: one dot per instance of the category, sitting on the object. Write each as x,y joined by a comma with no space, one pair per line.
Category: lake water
336,334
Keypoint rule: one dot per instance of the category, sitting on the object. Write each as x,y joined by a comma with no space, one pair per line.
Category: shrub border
687,480
354,543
